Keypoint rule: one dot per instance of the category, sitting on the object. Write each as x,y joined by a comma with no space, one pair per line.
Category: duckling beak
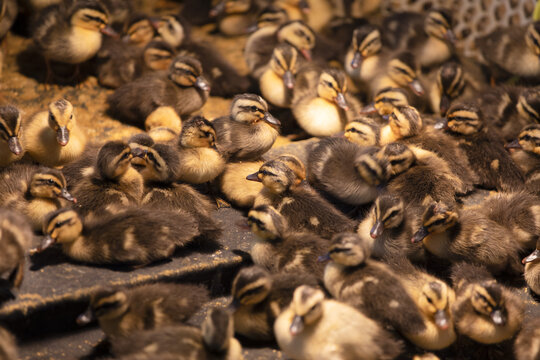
420,235
202,84
62,135
368,109
357,60
234,305
46,242
416,87
297,325
306,53
138,152
498,317
86,317
444,105
441,320
534,255
376,230
304,6
288,79
217,10
450,37
324,258
341,102
252,28
271,120
253,177
513,145
109,31
66,195
441,124
15,145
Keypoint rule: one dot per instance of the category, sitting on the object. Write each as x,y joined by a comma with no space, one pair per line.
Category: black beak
304,6
444,105
15,145
324,258
441,320
271,120
138,152
253,177
450,37
369,109
288,79
62,135
297,325
66,195
534,255
420,235
498,317
46,242
86,317
341,102
513,145
357,60
441,124
202,84
416,87
377,230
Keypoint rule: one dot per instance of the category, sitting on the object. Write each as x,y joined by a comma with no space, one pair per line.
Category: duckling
532,269
134,237
160,173
8,345
277,81
249,131
53,137
121,312
260,45
386,101
117,63
163,117
183,87
512,50
236,187
321,104
485,152
525,152
313,327
388,228
215,340
434,299
119,12
15,238
346,171
139,31
468,235
349,277
158,55
113,185
59,31
11,149
527,346
449,85
200,162
305,210
269,18
33,191
429,35
363,131
484,311
234,16
8,13
259,297
280,250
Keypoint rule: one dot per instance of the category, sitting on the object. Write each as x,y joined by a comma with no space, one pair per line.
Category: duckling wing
50,23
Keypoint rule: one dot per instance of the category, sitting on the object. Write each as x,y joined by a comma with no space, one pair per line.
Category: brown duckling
532,269
215,340
525,152
286,190
11,149
349,277
121,312
33,191
278,249
313,327
182,87
53,137
363,131
113,185
485,152
468,235
15,239
259,297
117,63
484,311
249,131
527,344
135,237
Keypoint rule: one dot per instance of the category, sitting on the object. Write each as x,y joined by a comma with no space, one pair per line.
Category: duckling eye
392,214
151,157
71,117
429,300
50,181
526,137
313,307
438,222
125,156
254,108
396,161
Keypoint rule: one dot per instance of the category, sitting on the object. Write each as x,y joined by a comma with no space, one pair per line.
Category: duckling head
464,119
281,174
348,249
386,101
434,302
400,157
61,120
284,63
532,37
158,55
139,31
363,131
372,169
388,213
186,71
251,286
114,159
63,226
161,162
528,139
366,42
438,23
299,35
405,121
332,86
250,109
267,223
270,16
49,184
217,330
10,128
487,299
436,218
197,132
172,30
105,305
403,70
91,15
307,306
528,105
450,82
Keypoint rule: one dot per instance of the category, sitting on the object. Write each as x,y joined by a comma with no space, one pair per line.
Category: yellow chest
274,90
438,244
433,338
37,209
319,117
78,250
84,44
201,165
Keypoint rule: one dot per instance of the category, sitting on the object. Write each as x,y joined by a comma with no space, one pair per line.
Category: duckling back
15,240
